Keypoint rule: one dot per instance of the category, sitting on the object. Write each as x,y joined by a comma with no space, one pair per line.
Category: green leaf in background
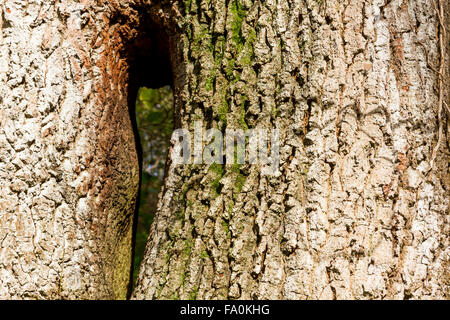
154,116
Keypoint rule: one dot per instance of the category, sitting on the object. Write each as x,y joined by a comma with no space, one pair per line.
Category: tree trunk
68,164
359,209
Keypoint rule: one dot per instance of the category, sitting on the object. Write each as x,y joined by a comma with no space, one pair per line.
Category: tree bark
68,164
359,209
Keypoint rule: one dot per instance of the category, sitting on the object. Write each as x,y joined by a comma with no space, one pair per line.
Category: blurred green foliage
154,116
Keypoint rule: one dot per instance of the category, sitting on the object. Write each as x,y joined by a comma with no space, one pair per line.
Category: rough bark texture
359,209
356,210
68,164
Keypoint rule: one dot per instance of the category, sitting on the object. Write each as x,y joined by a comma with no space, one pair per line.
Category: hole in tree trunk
150,99
154,118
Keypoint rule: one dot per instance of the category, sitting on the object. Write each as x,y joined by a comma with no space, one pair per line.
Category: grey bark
359,209
68,164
